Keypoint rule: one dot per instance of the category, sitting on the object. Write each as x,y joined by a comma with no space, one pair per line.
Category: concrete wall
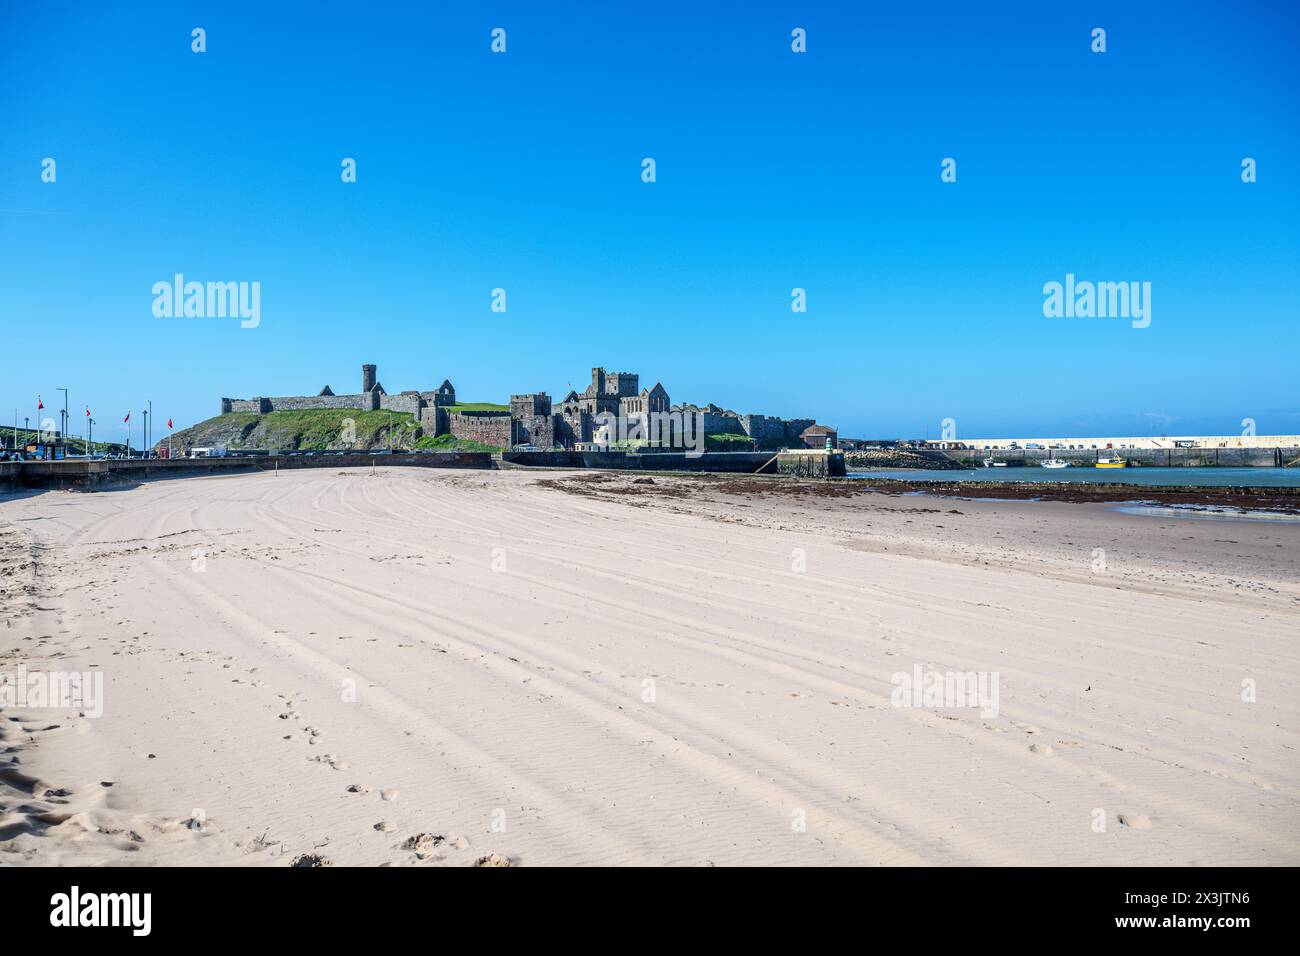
1142,457
811,464
1143,442
88,475
744,462
432,459
11,474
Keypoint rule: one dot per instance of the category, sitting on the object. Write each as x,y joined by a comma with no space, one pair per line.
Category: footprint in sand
388,794
424,845
493,859
383,826
1043,750
338,763
358,788
1136,821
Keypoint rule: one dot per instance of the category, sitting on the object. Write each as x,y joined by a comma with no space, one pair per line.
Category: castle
531,419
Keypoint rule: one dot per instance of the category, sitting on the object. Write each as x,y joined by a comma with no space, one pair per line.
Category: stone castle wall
490,428
259,406
794,427
366,402
715,424
763,428
409,402
538,430
262,406
531,419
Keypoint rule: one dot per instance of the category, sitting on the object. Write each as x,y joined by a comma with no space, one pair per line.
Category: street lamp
63,426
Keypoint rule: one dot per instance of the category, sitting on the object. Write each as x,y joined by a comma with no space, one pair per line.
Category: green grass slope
318,429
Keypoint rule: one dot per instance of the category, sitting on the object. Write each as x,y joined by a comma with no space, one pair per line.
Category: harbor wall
90,475
743,462
811,464
1137,457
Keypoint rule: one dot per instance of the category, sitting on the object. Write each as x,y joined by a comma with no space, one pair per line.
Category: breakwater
1136,457
85,474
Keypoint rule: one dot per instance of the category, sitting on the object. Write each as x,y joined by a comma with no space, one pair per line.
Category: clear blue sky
775,170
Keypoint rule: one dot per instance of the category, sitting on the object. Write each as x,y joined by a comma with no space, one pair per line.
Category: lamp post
90,434
148,444
63,420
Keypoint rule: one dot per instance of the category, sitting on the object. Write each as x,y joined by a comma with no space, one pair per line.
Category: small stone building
816,436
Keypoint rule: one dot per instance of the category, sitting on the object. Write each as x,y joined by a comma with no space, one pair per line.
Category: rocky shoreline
873,459
1284,500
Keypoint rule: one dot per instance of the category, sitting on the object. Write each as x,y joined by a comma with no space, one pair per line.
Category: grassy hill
76,444
315,429
478,407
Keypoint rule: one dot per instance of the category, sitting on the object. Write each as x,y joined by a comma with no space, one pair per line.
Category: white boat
990,463
1055,463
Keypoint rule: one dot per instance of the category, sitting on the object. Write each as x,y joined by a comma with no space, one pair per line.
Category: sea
1144,477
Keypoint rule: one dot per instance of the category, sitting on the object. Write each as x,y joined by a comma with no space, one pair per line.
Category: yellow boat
1111,463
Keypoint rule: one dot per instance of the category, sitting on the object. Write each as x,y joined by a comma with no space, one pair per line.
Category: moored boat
1112,463
1055,463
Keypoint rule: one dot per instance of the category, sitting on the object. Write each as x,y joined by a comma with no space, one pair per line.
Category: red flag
127,419
169,423
39,404
87,411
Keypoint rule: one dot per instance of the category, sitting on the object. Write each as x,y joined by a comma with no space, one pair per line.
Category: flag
87,411
39,404
127,419
169,423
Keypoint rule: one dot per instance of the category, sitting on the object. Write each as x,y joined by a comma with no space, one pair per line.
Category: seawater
1142,477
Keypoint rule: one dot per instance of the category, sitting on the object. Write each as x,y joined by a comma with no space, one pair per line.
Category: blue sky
775,170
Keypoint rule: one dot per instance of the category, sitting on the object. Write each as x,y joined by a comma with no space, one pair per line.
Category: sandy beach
422,667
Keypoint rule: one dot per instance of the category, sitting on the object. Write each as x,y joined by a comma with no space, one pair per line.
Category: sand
428,668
